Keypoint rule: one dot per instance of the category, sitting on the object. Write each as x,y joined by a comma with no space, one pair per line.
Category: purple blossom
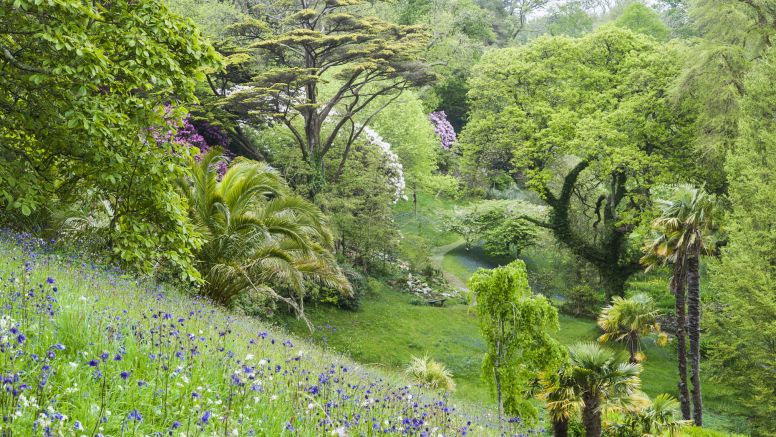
443,129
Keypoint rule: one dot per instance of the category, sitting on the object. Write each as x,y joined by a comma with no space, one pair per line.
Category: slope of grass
87,350
388,329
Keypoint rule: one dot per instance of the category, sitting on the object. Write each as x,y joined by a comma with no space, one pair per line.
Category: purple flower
443,129
125,374
205,417
50,280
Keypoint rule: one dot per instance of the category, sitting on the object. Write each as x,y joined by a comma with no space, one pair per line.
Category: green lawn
389,329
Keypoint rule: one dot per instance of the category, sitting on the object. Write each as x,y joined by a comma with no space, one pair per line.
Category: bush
430,373
335,297
582,301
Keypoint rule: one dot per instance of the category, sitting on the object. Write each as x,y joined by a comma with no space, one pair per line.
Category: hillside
88,350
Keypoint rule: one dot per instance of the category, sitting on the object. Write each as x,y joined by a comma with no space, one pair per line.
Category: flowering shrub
393,166
443,129
88,351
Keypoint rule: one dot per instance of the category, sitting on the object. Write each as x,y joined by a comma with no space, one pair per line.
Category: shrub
430,373
582,301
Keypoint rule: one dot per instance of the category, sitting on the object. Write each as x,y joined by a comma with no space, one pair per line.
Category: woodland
410,217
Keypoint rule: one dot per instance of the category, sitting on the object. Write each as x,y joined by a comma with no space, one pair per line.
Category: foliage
96,351
598,376
629,320
685,230
582,301
640,18
259,238
509,237
495,223
589,125
569,19
430,373
83,88
307,45
741,317
516,325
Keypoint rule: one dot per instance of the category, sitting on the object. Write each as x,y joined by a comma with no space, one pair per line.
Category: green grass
389,329
77,318
429,220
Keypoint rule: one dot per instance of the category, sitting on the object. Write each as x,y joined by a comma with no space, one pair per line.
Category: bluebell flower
135,415
205,417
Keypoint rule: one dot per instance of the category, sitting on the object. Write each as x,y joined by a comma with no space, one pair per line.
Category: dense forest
413,217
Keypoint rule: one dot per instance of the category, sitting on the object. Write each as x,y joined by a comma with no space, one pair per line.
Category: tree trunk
633,347
694,323
677,287
591,417
498,394
560,427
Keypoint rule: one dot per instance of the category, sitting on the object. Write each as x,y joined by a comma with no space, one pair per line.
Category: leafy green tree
509,237
82,110
629,320
686,228
741,317
307,44
517,327
640,18
569,19
259,237
598,376
588,124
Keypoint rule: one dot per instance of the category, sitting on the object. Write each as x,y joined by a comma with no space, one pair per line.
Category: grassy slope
82,312
395,330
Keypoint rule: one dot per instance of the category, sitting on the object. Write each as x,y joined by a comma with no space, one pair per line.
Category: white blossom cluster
393,166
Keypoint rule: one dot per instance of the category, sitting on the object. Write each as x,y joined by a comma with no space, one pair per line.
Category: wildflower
49,280
124,375
135,415
77,426
205,417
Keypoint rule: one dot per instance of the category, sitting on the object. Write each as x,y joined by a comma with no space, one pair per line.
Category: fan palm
562,401
628,320
259,236
685,229
600,377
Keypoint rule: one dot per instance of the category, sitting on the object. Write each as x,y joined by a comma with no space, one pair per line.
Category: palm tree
628,320
258,236
562,401
685,227
600,377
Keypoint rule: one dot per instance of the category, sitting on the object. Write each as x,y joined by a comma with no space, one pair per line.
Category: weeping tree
366,61
516,325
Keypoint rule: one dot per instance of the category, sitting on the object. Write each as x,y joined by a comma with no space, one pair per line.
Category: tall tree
516,325
304,44
741,320
82,112
686,227
588,124
659,252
